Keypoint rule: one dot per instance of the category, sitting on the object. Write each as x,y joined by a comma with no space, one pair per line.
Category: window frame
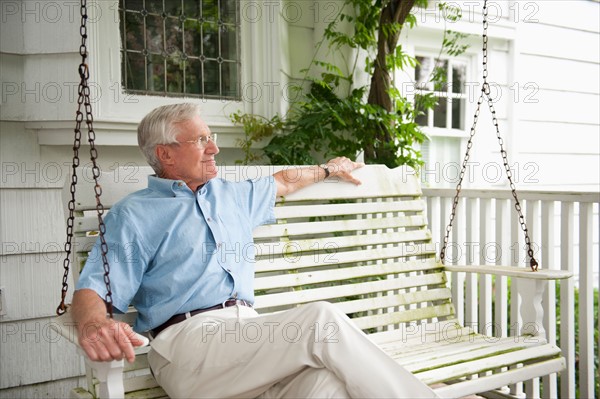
447,131
232,58
432,155
260,66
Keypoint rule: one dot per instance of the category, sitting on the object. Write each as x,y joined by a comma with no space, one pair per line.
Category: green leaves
335,118
451,43
400,60
256,129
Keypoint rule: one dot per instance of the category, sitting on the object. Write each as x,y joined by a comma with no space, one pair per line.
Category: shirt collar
168,187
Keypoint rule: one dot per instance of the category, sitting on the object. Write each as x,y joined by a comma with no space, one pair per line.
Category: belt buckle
224,304
236,302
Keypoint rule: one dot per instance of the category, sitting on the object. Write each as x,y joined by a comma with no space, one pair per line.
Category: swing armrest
66,327
512,271
108,374
530,287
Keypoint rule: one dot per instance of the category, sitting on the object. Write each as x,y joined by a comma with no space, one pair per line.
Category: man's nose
212,147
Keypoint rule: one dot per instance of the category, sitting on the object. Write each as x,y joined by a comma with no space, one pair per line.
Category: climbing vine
337,117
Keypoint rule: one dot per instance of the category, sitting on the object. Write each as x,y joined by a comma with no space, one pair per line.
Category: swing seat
368,250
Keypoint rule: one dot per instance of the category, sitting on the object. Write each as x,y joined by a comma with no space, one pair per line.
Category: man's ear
164,155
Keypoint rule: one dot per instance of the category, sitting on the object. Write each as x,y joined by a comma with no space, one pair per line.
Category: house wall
33,63
544,70
558,54
305,23
29,263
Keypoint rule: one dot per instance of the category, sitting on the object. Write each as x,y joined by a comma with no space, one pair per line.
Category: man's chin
211,170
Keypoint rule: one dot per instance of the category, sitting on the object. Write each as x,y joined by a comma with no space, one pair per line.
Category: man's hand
108,340
342,167
102,338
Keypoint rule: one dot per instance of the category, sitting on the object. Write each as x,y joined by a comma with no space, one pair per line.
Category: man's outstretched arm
291,180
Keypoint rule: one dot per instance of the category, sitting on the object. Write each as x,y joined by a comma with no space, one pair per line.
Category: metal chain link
485,92
84,100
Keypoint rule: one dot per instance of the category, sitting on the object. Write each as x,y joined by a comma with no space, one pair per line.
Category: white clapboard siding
368,250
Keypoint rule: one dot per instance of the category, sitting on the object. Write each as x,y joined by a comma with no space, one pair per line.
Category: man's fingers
103,351
128,338
140,340
109,341
354,180
347,166
113,338
356,165
90,351
347,176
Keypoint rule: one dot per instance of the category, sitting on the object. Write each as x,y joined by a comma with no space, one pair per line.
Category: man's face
194,163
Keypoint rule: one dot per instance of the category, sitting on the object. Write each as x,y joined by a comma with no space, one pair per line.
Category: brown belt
183,316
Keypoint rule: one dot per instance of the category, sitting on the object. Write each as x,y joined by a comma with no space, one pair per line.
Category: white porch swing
386,274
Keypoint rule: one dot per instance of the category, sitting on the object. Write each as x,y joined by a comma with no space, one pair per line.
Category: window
451,92
181,47
445,123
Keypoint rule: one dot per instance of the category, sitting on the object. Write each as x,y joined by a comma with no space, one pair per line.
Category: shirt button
208,219
179,184
229,270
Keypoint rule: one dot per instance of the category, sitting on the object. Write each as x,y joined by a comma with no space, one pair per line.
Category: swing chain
485,92
84,99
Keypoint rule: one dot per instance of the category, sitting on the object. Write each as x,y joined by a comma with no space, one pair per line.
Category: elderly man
165,244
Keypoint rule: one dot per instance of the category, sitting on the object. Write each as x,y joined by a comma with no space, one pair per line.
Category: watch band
326,169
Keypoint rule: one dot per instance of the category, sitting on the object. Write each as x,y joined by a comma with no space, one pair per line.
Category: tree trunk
395,11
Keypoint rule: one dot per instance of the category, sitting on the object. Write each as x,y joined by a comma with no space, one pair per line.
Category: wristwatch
326,169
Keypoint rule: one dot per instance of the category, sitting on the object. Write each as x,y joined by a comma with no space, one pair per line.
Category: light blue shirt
172,250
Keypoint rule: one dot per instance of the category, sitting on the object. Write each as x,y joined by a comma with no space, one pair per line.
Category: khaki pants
312,351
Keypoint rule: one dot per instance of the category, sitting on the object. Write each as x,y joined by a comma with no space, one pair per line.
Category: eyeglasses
202,141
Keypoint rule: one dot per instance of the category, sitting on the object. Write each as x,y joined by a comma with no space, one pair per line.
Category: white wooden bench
368,250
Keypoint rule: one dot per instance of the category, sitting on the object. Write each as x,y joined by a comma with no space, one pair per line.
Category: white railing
563,228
